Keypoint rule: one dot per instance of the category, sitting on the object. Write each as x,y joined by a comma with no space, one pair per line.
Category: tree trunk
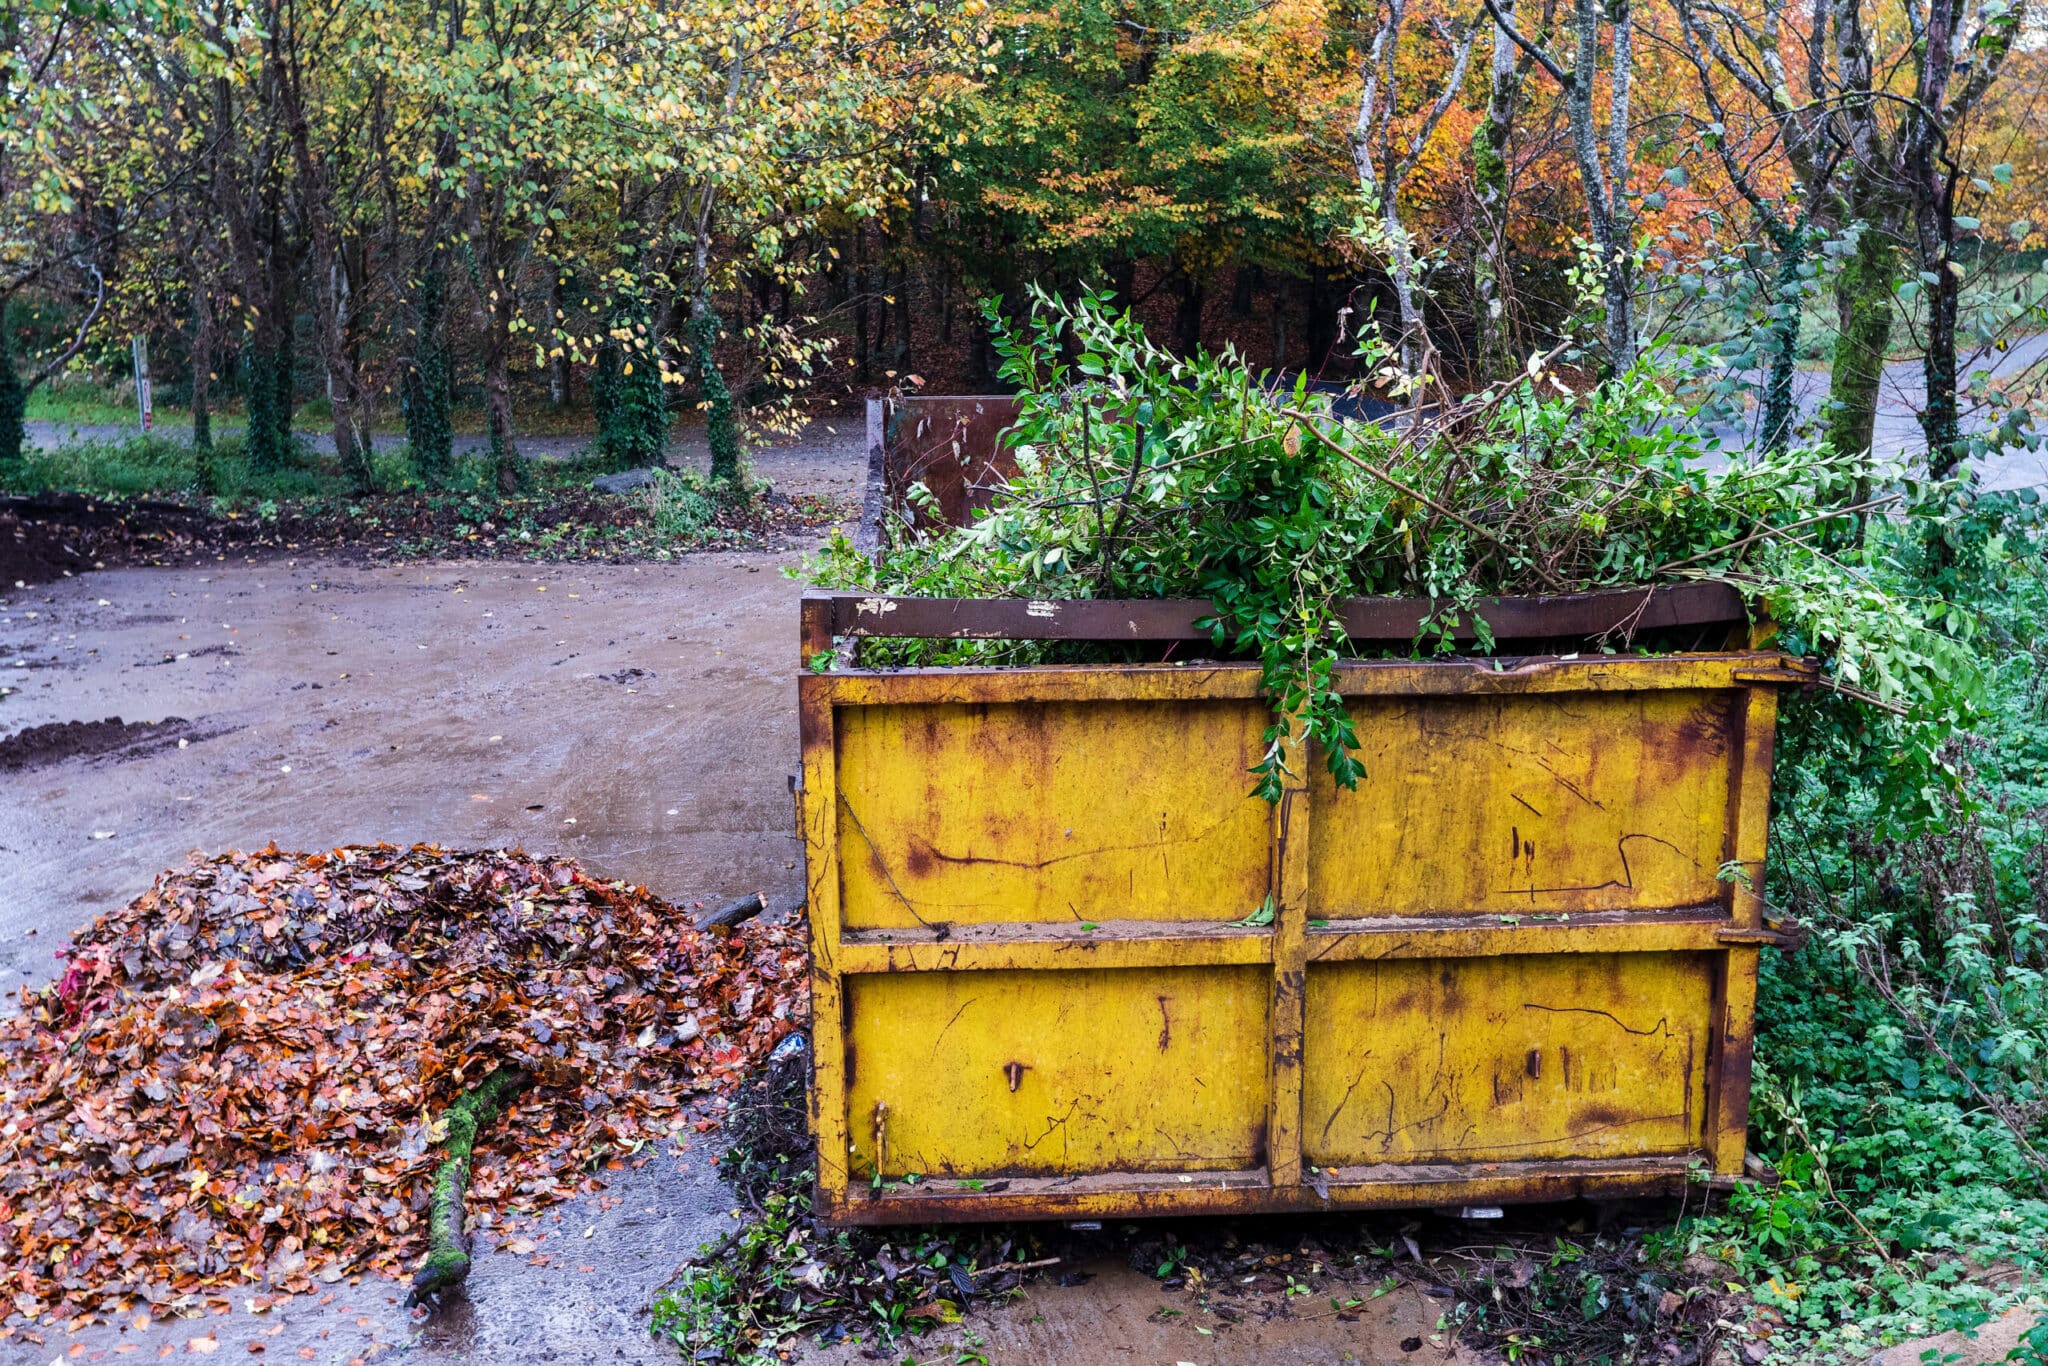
721,427
1790,243
1863,295
558,363
262,359
284,378
498,411
1934,234
1606,225
1491,277
429,387
13,408
862,366
1401,257
1941,418
1123,284
1279,321
1243,282
902,358
202,376
333,295
1187,313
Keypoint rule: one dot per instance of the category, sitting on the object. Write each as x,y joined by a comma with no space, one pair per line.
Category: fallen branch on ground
447,1264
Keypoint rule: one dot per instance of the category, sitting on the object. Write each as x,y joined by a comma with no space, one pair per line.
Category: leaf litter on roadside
236,1081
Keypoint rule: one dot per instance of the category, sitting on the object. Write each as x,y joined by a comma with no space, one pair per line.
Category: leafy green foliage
1902,1086
677,503
1142,474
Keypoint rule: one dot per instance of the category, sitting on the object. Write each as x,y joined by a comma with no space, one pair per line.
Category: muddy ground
640,717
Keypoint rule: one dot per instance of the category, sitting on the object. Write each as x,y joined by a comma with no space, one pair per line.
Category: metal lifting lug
1786,934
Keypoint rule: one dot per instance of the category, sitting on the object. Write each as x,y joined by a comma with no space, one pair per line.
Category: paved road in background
1897,437
827,442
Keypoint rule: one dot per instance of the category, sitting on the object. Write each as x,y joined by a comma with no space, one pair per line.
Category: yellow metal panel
1590,801
989,1074
1506,1059
1050,812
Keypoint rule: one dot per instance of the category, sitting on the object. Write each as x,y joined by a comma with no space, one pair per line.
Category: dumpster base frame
1384,1187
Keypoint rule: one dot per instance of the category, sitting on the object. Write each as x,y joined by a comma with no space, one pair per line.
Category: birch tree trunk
1603,175
1374,124
1491,280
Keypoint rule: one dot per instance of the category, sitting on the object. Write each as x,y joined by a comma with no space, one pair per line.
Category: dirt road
638,717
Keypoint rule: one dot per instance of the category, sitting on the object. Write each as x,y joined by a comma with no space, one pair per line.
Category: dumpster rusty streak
1506,968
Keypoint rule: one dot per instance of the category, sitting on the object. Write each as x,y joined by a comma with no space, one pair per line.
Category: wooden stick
1776,531
1016,1266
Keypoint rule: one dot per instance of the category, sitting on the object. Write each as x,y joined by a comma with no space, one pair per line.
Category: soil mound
41,746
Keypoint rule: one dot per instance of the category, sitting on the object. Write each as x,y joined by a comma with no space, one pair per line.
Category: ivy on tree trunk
721,427
429,384
1864,296
627,393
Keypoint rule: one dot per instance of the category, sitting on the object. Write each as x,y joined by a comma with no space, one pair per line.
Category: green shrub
678,504
1902,1081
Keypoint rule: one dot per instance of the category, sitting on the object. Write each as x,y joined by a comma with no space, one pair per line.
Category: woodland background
331,218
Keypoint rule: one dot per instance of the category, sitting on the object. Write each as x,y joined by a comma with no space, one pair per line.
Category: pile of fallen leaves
238,1078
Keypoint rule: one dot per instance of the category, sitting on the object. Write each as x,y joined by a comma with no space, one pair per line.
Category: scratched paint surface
989,1074
1088,811
1505,1059
1519,804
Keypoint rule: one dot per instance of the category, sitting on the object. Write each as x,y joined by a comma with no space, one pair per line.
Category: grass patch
87,403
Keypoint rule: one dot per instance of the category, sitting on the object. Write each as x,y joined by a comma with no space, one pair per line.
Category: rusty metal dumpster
1066,965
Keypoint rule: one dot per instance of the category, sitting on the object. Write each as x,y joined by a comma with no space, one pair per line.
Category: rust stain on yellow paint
1535,803
1493,1059
1050,812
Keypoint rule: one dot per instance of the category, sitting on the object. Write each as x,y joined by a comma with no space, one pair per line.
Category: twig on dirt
1016,1266
702,1256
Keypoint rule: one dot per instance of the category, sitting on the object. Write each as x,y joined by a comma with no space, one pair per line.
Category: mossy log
447,1264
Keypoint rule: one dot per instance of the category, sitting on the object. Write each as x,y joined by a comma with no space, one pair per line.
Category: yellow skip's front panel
1505,1059
1527,804
992,1074
1074,811
1066,965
